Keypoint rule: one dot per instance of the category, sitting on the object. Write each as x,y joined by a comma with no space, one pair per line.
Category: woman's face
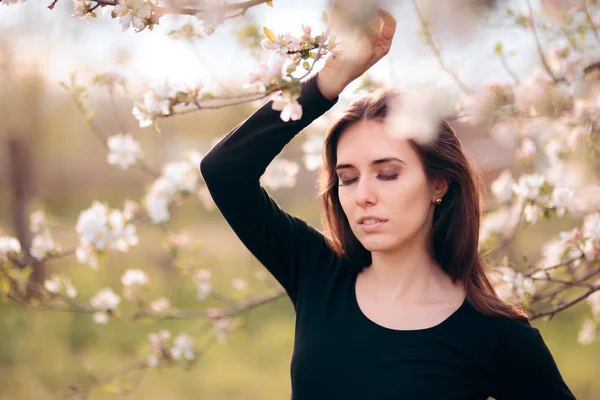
382,177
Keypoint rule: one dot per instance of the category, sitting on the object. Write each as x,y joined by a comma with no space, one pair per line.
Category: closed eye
380,177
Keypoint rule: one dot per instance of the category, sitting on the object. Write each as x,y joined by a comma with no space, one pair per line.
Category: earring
438,201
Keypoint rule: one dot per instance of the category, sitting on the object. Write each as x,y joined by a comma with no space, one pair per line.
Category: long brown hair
455,228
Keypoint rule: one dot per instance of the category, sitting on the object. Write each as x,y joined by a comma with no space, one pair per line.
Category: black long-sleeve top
338,352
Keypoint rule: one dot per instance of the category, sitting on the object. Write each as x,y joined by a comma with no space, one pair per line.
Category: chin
377,244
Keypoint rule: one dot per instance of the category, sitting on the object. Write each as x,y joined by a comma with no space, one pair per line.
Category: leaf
269,34
498,48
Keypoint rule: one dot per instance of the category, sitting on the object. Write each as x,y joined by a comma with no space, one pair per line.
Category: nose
365,193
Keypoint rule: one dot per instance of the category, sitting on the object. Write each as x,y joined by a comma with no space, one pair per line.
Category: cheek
409,198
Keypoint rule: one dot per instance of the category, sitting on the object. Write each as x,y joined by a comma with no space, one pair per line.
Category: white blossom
591,226
92,226
134,277
133,13
519,283
160,305
562,200
9,245
568,236
529,186
212,16
37,221
531,213
124,151
526,150
587,333
41,245
289,107
502,186
416,115
100,228
203,284
280,173
594,302
100,317
238,284
60,284
493,223
105,300
182,347
312,149
478,107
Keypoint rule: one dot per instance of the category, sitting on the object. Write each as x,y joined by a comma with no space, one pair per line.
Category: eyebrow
374,162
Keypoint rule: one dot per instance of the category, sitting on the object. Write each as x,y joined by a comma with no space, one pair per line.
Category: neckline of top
439,325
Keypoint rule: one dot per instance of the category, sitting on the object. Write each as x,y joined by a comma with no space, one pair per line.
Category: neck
408,273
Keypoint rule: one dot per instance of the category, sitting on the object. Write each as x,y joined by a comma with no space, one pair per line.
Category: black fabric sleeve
232,169
524,367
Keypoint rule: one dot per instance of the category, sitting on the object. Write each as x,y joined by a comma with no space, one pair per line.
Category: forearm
249,148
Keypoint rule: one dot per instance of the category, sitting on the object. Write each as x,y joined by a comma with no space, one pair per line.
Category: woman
394,302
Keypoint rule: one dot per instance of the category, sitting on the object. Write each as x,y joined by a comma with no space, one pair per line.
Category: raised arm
282,243
232,170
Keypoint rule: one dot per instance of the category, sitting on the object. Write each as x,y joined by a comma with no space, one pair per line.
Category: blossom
203,284
104,301
41,245
134,277
587,333
100,228
478,108
160,305
529,186
591,226
526,150
37,221
562,200
502,186
312,149
124,151
519,283
531,213
239,284
9,245
416,115
280,173
177,177
213,15
133,13
289,107
182,347
81,8
60,284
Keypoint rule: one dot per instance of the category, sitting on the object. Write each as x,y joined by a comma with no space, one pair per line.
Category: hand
346,64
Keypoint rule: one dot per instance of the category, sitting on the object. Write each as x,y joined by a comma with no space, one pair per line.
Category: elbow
208,168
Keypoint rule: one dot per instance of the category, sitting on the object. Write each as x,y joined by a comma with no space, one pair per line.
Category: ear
439,188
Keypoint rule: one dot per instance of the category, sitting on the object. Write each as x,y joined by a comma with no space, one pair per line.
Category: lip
373,227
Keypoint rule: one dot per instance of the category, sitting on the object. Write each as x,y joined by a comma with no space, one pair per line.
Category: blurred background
50,159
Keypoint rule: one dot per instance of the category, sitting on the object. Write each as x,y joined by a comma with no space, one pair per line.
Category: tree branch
436,50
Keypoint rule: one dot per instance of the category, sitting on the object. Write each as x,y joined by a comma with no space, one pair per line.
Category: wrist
330,84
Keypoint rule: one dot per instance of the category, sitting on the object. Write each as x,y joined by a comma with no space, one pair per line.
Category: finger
389,24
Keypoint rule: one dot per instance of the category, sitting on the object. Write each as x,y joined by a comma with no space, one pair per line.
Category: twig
436,50
588,18
566,305
539,44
